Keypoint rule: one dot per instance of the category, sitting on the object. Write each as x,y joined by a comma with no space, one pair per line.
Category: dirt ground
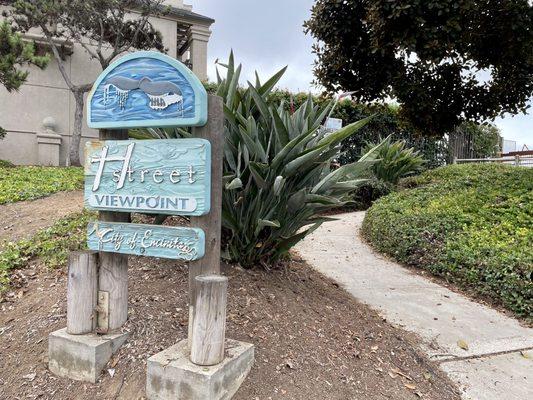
24,218
313,341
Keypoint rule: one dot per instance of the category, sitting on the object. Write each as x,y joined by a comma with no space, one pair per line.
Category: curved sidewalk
494,360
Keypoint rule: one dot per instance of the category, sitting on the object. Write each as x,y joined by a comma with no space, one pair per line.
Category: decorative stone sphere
49,123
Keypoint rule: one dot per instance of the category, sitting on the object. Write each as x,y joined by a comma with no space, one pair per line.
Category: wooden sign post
170,176
143,89
113,268
210,223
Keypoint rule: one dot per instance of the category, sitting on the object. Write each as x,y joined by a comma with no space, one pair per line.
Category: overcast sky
266,35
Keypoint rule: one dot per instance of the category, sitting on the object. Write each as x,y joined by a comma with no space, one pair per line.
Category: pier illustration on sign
161,94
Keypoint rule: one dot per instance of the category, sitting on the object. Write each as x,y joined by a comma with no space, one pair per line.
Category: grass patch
471,224
28,183
51,245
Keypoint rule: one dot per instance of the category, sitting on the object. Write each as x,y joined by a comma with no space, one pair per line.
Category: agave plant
277,169
396,161
278,180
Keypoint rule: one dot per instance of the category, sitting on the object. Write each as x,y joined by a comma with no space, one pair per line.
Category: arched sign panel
146,89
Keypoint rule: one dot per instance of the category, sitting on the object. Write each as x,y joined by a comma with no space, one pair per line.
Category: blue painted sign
146,89
147,240
171,176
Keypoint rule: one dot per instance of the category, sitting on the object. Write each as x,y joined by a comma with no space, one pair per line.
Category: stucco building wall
45,94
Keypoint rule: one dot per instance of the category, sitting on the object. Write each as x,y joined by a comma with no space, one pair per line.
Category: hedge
471,224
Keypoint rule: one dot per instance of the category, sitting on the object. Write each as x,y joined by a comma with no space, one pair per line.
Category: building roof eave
188,15
182,14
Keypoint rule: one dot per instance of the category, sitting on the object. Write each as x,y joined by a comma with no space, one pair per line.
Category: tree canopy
444,61
15,53
104,29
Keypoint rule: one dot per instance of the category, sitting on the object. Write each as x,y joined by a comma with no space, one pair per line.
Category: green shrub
395,161
50,245
365,195
471,224
28,183
6,164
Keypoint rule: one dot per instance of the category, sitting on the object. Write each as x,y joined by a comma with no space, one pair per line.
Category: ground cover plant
471,224
28,183
51,245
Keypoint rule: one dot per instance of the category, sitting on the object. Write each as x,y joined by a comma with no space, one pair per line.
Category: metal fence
519,161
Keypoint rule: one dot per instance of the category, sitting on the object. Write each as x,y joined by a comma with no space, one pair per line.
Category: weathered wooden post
210,223
113,275
209,323
82,289
202,367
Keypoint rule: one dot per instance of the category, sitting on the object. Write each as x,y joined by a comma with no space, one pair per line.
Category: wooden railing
519,161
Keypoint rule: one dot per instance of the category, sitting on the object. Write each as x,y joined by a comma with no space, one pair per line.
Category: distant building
39,118
508,146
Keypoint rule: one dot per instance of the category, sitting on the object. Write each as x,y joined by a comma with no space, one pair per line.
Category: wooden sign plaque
146,89
179,243
170,176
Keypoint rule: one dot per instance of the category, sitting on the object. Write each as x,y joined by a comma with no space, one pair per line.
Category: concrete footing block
81,357
171,375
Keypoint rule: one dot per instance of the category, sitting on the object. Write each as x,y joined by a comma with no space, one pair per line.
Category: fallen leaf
114,362
398,372
30,377
524,354
462,344
409,386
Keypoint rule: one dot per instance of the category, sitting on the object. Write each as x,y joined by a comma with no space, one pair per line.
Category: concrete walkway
488,354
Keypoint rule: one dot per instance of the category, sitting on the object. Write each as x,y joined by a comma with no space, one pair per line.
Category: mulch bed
313,341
